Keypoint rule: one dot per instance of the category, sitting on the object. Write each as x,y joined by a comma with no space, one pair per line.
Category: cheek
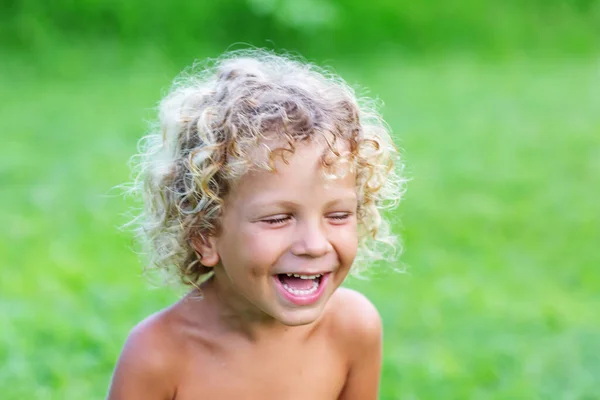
350,250
258,248
346,243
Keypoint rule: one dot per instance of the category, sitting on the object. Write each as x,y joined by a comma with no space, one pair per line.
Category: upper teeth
305,276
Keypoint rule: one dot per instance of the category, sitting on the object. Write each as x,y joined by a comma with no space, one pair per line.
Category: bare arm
365,351
142,371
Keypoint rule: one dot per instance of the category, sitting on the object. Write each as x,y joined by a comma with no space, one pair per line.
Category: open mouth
300,285
301,289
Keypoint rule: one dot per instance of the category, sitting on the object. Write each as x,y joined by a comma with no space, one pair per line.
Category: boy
265,182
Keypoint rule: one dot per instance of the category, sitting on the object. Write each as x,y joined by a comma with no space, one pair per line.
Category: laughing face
288,239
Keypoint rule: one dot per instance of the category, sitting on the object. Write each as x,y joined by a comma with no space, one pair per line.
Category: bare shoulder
354,318
152,341
357,328
146,366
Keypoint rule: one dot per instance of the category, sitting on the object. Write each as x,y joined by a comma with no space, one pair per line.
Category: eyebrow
292,204
352,199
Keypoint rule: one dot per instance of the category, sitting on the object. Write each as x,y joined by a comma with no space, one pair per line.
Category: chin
299,317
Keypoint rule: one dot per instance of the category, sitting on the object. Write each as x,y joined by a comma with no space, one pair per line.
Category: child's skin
246,339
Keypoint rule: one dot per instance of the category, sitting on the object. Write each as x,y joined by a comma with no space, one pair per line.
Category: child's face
292,221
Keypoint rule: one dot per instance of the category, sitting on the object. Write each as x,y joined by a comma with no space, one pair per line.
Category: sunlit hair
212,122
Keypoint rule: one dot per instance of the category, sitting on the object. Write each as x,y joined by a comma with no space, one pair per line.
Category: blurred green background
496,105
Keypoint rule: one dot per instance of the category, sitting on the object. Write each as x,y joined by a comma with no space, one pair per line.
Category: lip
305,273
307,299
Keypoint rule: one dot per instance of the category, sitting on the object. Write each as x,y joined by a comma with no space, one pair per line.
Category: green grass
495,28
501,225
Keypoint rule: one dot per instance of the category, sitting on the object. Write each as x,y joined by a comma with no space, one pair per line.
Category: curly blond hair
216,114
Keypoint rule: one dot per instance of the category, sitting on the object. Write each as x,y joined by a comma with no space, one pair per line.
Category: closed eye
277,220
341,216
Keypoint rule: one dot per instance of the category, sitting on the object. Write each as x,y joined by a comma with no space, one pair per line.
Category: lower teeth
300,292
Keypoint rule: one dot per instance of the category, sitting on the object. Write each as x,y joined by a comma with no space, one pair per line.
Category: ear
206,247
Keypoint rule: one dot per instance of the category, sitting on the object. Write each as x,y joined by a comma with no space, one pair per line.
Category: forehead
312,168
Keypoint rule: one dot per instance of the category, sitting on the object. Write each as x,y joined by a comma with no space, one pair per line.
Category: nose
311,240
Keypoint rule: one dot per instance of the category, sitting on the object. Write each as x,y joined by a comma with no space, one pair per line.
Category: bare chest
315,371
